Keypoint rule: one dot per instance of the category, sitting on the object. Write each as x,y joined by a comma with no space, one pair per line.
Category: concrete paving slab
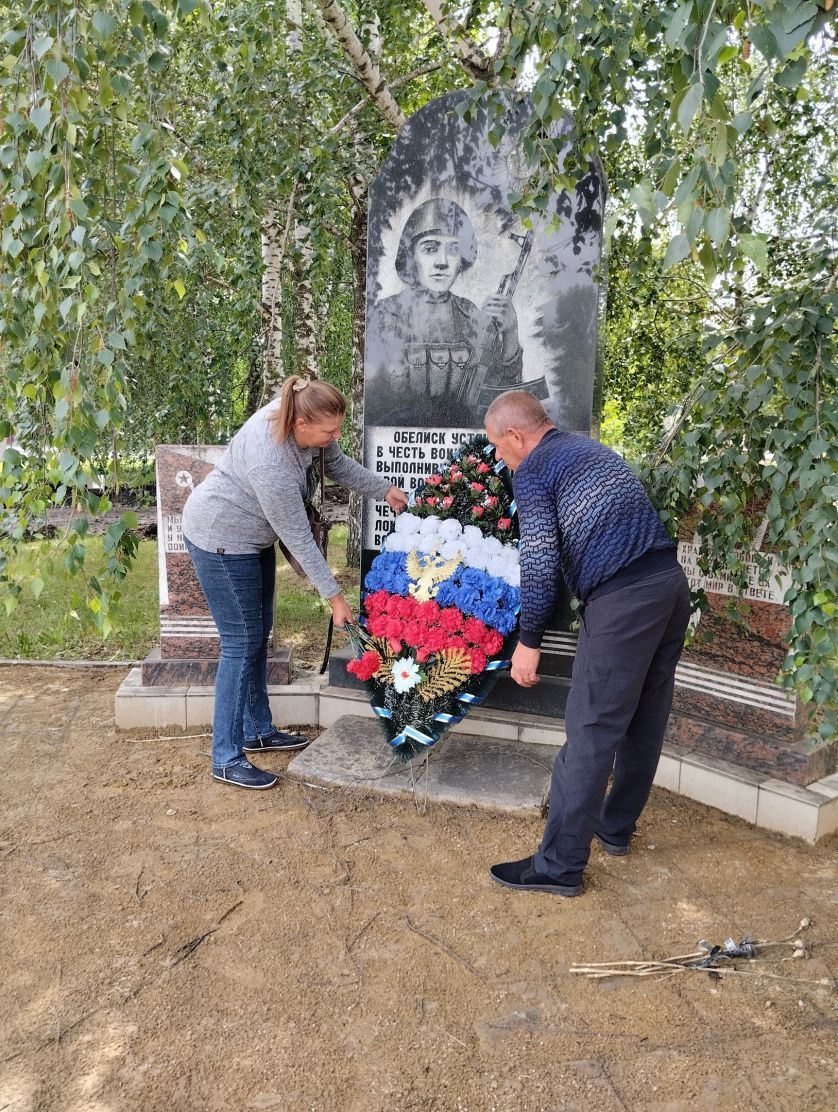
494,773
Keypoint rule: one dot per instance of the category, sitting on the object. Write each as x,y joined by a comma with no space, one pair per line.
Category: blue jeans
240,594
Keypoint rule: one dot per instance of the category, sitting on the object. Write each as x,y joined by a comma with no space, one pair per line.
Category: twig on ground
137,885
356,938
446,949
454,1037
55,1005
189,948
705,960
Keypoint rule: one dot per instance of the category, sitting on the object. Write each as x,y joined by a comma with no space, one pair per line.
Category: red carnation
392,607
406,607
377,625
504,522
483,468
447,502
376,602
492,643
478,660
478,488
393,631
431,501
435,639
474,630
418,502
451,619
366,667
413,632
427,612
434,480
490,501
477,511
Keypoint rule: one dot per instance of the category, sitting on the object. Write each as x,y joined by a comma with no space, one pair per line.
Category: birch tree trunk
367,70
294,26
273,250
306,323
358,251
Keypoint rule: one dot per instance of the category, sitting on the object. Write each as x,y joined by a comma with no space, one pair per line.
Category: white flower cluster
449,538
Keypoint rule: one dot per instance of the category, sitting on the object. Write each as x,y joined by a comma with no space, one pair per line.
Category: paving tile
467,769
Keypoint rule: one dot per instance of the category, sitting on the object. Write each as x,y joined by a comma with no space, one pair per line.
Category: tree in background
184,190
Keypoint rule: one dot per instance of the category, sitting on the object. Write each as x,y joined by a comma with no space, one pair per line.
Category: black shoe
522,874
612,848
278,740
245,775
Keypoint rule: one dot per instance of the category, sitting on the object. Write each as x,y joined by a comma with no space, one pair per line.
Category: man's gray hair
516,409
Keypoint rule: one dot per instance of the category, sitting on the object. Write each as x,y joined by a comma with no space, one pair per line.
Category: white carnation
450,549
408,523
514,579
472,536
395,543
429,526
451,529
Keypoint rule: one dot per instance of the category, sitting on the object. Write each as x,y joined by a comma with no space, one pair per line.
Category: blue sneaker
277,740
245,775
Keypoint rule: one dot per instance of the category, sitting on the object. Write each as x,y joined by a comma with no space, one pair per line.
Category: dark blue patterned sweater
583,512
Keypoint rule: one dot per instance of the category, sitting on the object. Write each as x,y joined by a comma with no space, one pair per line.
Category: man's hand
396,499
341,614
525,666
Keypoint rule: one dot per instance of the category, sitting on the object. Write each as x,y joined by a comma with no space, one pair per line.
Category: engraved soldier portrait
429,345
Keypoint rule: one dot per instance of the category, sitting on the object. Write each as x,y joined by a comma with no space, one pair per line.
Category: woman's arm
283,507
345,471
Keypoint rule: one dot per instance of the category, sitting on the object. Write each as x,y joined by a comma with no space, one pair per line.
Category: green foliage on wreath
467,505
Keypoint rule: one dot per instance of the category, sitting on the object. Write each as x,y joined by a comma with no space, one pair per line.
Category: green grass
45,628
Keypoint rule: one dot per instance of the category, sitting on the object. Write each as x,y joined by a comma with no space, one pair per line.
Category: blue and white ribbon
410,734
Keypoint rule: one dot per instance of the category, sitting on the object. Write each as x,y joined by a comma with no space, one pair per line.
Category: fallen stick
705,960
189,948
446,949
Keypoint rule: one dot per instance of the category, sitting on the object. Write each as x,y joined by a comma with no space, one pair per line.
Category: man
583,513
426,342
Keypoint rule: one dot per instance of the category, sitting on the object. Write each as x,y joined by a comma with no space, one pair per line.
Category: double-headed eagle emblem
426,573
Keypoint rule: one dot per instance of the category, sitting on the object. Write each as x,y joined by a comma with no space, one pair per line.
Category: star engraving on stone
184,479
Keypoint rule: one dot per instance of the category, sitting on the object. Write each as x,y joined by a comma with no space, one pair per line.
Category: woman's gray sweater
258,492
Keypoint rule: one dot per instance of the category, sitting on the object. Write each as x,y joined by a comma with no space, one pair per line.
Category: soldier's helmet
441,217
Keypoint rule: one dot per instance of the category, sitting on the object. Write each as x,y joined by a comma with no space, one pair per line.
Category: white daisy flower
405,674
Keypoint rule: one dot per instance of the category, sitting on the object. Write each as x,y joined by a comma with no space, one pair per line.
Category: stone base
796,761
158,671
809,813
546,699
463,768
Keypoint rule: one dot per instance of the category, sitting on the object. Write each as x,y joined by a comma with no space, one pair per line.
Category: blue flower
388,574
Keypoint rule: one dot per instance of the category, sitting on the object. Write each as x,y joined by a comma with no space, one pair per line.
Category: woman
257,493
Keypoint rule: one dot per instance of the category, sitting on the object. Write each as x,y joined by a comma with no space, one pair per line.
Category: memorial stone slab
189,641
727,702
464,302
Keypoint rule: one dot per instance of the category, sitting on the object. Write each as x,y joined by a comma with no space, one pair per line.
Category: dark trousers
619,702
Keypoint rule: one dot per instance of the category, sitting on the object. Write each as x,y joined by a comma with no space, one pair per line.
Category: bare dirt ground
172,943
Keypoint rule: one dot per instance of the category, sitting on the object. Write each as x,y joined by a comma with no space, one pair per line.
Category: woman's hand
396,499
341,614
